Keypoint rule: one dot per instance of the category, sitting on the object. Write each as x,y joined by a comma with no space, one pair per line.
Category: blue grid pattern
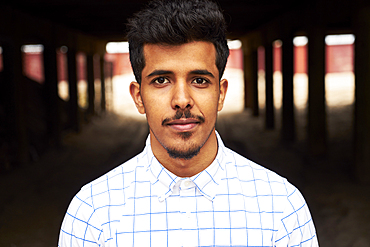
234,202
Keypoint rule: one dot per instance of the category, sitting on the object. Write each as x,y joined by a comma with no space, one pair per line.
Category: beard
186,154
181,154
194,149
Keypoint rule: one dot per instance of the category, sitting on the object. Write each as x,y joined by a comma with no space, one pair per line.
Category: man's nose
181,96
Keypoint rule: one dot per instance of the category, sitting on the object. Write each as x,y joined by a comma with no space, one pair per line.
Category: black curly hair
176,22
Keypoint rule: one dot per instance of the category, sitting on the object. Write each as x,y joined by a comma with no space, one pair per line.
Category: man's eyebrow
160,72
193,72
202,72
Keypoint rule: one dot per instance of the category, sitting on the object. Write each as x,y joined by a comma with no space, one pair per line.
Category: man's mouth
183,121
183,124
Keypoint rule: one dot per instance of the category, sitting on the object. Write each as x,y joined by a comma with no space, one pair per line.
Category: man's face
181,94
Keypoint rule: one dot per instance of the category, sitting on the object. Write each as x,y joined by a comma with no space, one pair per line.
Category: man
186,188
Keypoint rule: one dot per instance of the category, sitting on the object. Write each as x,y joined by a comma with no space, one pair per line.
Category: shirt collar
206,181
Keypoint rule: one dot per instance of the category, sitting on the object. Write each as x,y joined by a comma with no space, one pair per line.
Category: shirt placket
188,222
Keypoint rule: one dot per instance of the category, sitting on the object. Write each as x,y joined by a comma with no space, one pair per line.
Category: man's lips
183,124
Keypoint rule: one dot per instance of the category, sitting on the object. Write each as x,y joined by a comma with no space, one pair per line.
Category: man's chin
183,154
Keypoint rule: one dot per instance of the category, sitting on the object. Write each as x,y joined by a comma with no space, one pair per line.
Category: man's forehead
198,57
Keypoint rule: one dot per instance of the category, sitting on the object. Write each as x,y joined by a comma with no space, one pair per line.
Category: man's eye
161,80
200,81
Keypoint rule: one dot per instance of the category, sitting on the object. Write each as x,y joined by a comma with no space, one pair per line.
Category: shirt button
187,183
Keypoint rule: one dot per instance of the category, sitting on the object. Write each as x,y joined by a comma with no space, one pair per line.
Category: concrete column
288,121
102,78
74,117
269,106
16,93
250,78
52,98
90,84
362,93
317,129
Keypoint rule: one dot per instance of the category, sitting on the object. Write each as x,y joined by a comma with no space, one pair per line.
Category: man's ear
136,96
223,89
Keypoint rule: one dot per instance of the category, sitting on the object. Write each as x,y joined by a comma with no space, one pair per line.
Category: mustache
183,114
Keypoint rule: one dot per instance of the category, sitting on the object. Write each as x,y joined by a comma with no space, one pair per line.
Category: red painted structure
339,58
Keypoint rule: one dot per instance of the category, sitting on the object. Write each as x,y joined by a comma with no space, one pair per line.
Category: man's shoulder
120,177
111,189
249,172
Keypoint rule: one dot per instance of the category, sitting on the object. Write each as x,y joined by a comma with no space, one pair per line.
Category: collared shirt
233,202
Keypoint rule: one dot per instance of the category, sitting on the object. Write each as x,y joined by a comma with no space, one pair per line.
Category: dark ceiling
106,18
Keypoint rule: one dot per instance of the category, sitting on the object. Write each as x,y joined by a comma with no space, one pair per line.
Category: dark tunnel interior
51,143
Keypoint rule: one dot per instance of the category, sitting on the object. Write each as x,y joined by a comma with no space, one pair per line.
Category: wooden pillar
362,93
102,78
16,93
90,84
74,118
317,129
288,121
51,96
250,62
269,106
254,65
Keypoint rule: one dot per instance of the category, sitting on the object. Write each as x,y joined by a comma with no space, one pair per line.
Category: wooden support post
362,92
90,84
254,69
317,129
250,78
13,82
102,78
288,121
74,116
269,106
52,98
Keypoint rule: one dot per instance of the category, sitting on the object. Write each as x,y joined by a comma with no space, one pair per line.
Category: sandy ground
35,198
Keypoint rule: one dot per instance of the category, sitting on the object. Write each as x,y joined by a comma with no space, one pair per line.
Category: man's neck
186,167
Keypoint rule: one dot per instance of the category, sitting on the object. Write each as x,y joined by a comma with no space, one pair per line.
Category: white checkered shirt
234,202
